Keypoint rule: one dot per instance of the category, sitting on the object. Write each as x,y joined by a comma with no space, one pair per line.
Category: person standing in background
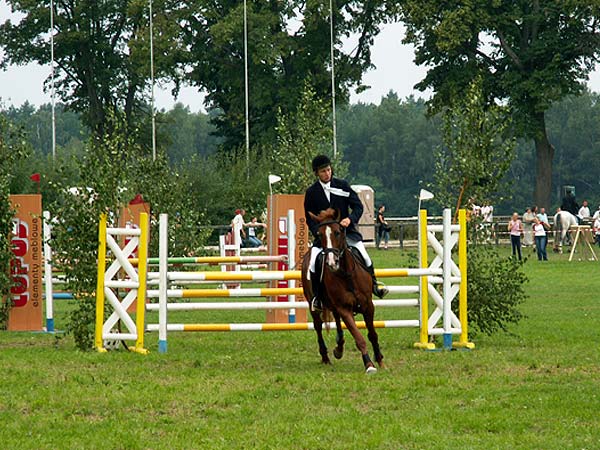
515,227
527,230
383,229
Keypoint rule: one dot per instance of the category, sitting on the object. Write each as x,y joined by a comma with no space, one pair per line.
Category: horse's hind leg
361,344
318,324
338,351
372,334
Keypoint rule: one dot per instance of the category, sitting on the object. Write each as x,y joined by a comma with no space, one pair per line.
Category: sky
394,71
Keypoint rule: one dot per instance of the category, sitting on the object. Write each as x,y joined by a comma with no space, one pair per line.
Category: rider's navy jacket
342,197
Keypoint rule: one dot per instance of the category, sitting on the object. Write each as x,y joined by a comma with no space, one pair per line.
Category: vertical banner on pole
278,239
26,267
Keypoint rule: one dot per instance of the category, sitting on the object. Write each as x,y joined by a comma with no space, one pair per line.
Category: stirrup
315,304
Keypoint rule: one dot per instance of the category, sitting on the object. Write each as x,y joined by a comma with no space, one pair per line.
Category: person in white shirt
584,211
238,227
596,214
540,239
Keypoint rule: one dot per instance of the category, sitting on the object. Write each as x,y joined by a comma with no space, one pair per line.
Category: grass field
537,387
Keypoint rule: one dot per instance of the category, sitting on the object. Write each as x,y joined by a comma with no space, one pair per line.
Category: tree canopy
530,53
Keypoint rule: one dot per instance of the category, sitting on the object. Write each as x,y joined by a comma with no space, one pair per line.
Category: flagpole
332,48
52,95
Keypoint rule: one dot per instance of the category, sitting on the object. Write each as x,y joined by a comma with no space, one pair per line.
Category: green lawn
534,388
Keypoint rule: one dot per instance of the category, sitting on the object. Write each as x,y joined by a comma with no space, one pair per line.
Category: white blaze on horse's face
332,261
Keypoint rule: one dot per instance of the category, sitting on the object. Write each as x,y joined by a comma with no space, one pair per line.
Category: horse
347,289
563,220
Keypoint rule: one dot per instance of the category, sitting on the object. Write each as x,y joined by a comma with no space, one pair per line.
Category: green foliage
13,148
113,170
477,152
495,289
530,55
288,43
302,136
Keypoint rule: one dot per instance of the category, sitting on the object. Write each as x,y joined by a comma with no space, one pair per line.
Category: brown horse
347,288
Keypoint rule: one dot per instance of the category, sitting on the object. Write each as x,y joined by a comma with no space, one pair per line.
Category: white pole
52,95
447,273
163,256
152,110
48,273
246,91
332,78
291,230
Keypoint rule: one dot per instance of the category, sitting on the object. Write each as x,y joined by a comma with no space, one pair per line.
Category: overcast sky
394,71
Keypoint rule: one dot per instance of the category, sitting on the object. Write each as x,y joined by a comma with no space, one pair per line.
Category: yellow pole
462,292
141,293
100,283
424,294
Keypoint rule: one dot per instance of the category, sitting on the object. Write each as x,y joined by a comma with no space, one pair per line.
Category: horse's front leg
338,351
360,341
318,324
369,315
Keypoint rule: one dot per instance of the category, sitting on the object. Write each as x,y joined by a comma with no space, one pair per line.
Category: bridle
338,253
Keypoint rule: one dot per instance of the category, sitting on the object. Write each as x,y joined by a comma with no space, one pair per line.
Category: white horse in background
563,220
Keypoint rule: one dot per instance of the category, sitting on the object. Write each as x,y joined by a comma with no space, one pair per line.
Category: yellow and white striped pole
100,283
463,341
423,286
141,292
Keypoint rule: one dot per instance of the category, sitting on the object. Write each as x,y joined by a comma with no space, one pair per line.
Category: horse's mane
326,214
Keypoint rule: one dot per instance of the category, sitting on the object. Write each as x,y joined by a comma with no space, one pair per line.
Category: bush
494,289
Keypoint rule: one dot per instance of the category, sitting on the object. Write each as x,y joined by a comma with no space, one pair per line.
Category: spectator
596,227
540,239
544,218
596,214
584,212
237,225
253,240
527,231
383,229
515,227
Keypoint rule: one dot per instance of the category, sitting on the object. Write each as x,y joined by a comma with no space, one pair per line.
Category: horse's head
332,235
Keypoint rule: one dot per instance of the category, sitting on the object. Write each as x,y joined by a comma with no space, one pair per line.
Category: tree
101,53
477,152
13,148
530,53
288,43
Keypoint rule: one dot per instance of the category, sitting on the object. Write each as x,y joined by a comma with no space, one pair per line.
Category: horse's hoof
338,354
371,370
326,362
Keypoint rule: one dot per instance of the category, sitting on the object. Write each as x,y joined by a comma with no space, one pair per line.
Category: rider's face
324,174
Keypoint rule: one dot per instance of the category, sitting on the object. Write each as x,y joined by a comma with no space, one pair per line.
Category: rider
330,192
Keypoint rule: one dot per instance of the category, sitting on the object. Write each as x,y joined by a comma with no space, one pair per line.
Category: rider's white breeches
314,252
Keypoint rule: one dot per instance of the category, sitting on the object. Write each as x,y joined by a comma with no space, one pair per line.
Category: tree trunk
544,155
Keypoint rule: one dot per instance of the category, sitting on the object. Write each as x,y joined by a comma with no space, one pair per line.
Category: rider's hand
345,222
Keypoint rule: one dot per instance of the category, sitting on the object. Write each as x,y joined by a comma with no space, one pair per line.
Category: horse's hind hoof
338,354
371,370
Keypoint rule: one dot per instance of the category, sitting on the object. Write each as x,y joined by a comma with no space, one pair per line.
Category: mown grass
536,387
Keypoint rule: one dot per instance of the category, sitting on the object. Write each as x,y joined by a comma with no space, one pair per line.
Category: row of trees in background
393,147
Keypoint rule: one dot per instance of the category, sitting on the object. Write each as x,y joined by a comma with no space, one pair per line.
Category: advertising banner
27,266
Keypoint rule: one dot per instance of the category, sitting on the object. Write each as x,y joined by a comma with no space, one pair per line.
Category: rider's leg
315,280
378,290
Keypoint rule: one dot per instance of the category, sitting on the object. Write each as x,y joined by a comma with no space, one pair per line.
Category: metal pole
52,93
152,110
246,91
334,125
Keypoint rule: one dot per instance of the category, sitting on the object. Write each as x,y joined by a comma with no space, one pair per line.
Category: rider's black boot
379,291
315,303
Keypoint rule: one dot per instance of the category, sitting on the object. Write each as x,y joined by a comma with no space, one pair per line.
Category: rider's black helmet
319,162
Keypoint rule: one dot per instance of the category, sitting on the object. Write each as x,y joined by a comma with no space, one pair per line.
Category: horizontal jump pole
281,275
204,306
276,326
244,292
215,259
255,292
